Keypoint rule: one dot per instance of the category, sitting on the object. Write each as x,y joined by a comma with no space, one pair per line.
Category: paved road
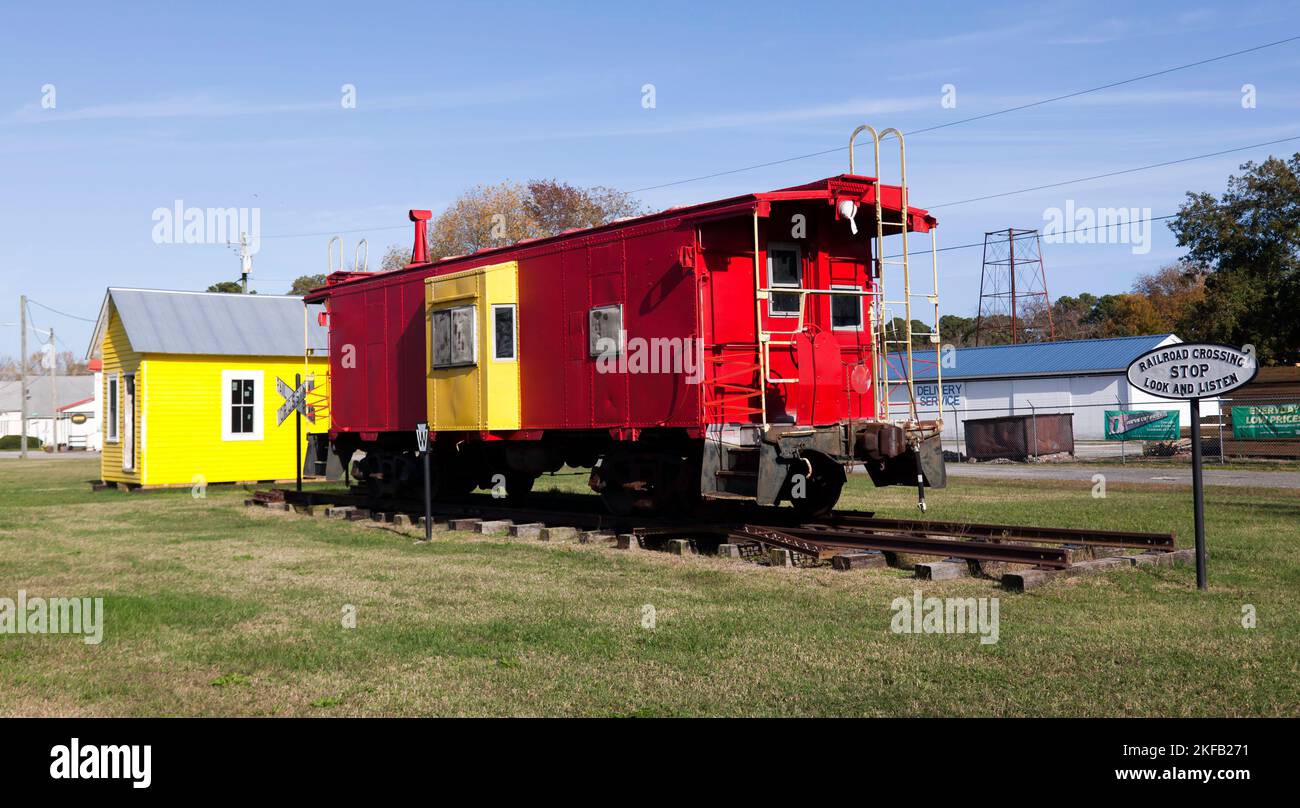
34,454
1129,474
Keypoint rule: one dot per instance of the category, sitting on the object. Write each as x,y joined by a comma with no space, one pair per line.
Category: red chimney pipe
419,253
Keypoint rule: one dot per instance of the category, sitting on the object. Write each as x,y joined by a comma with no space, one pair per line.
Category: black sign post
295,401
422,443
1190,371
1198,494
297,433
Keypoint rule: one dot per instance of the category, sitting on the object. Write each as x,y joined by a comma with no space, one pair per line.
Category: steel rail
842,530
818,542
1085,536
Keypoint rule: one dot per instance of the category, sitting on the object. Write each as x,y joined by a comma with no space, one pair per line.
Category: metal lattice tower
1014,305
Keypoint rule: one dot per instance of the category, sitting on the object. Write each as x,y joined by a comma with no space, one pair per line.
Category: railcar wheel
452,480
820,487
519,485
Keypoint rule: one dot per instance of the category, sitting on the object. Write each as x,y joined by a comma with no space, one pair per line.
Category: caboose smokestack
419,252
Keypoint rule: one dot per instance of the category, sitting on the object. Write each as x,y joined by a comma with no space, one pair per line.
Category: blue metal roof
1066,358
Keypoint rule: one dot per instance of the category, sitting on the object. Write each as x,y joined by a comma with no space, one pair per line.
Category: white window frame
514,332
474,337
592,350
113,407
831,310
773,285
259,404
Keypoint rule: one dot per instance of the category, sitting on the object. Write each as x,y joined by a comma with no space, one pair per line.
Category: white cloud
203,106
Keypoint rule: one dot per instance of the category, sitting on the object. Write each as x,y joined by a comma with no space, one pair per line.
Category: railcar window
453,337
604,330
784,268
242,402
846,311
503,332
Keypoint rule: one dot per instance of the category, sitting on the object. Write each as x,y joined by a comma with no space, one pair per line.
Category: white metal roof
213,323
70,390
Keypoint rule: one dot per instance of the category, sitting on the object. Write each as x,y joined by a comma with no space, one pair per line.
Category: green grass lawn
215,609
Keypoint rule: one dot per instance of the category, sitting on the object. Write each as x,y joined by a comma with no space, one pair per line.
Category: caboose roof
862,188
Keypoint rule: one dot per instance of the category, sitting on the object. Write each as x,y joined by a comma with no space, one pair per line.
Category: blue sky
238,105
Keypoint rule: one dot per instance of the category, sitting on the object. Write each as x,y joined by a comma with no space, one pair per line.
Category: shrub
12,443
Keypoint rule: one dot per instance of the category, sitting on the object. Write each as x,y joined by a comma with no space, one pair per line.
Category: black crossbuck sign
295,400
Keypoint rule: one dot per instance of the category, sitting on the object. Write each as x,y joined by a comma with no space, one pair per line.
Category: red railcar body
710,279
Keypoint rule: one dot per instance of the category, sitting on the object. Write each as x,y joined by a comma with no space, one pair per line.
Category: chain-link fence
1242,428
1267,428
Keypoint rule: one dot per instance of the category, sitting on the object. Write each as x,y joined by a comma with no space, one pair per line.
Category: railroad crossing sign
295,400
1191,371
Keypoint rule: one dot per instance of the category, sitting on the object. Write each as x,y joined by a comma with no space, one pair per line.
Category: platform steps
737,472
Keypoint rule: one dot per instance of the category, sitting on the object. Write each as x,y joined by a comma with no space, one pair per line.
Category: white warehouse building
1082,377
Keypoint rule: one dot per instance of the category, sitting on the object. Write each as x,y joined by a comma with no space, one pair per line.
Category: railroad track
841,536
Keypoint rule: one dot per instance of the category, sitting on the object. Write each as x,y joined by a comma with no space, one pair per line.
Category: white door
128,417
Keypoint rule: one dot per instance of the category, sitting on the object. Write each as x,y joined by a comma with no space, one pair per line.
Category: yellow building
190,391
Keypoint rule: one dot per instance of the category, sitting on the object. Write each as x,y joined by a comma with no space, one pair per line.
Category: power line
1062,233
64,313
1039,103
1117,173
1110,86
822,153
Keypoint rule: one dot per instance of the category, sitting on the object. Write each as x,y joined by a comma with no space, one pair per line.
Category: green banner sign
1142,425
1266,422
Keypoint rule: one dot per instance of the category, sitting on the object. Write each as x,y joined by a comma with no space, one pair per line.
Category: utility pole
22,365
54,389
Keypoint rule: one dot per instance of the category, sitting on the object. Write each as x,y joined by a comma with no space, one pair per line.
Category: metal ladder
881,311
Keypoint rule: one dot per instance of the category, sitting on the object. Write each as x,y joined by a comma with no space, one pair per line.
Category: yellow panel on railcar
472,348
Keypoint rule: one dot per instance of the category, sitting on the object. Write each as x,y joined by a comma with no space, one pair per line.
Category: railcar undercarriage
663,470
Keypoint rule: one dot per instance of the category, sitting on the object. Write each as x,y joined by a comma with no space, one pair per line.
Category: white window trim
619,338
514,332
772,284
831,312
473,318
259,404
112,407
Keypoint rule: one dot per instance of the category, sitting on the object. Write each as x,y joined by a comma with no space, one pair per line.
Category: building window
453,337
241,405
114,402
784,269
504,348
604,330
846,310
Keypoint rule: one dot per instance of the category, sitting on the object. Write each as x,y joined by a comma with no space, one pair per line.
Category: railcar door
473,357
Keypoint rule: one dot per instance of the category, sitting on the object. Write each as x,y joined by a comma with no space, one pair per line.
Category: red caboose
729,350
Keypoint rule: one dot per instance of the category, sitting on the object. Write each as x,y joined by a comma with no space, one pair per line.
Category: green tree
957,330
1071,316
229,287
305,283
896,330
1246,245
